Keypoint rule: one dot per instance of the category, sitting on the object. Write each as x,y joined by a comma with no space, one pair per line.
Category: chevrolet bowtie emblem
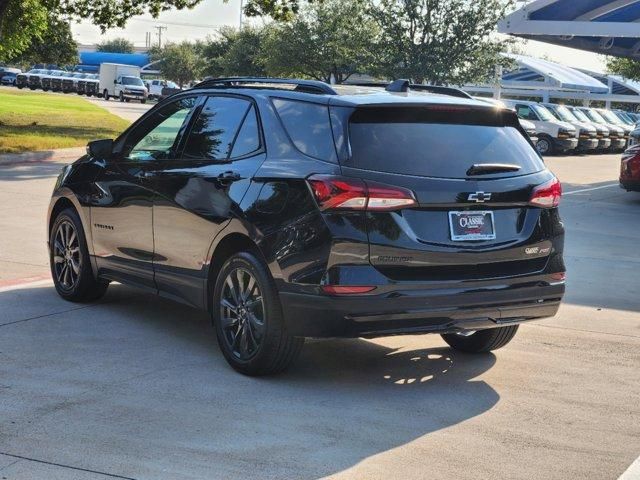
479,197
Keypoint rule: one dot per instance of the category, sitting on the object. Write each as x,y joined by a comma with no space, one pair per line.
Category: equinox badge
479,197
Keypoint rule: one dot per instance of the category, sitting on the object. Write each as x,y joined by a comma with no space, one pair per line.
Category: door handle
229,177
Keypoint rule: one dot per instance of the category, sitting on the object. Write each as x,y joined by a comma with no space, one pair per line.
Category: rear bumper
630,185
448,308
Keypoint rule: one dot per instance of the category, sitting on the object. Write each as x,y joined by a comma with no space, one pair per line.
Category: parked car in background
554,136
617,134
273,205
52,81
626,117
630,167
70,82
8,78
587,133
22,79
634,138
10,73
603,133
89,85
611,117
157,87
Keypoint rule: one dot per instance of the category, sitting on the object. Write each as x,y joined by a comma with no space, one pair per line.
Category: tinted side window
526,112
214,131
248,139
156,137
308,127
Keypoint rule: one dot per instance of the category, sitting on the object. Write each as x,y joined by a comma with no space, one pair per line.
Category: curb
42,156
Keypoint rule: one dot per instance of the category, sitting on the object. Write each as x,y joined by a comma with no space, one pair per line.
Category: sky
204,19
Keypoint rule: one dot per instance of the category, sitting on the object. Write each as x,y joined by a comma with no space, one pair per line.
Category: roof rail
307,86
403,85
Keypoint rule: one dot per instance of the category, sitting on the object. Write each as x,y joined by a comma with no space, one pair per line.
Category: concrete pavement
135,386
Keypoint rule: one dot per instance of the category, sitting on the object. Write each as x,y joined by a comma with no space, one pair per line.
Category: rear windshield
409,145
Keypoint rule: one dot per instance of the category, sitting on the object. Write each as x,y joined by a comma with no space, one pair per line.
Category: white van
617,134
554,136
587,133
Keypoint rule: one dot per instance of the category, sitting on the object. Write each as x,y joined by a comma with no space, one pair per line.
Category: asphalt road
135,386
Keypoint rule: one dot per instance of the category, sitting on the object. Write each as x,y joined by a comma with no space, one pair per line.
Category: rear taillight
547,195
353,194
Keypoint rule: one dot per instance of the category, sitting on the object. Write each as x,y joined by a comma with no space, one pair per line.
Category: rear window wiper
489,168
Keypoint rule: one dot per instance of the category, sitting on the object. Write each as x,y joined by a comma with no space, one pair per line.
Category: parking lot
135,386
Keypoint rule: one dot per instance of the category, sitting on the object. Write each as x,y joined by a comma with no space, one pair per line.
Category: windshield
594,116
624,117
610,117
579,115
565,114
543,113
132,81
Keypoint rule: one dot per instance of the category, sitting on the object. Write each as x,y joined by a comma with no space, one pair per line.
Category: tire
481,341
105,94
121,97
257,328
77,285
545,145
144,100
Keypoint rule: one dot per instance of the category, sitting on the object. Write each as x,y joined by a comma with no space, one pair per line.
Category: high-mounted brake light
343,193
547,195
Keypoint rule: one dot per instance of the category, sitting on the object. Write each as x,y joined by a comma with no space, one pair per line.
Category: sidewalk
42,156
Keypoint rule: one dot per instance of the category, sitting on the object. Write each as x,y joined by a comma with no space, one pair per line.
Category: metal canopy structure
610,27
538,73
543,79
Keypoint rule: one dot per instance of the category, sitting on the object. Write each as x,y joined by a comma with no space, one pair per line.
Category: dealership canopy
610,27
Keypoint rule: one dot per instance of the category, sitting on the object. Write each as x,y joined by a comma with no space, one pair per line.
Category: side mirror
100,148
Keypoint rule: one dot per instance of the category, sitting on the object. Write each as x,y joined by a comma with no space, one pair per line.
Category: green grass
31,121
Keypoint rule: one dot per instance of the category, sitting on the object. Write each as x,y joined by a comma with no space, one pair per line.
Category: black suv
291,209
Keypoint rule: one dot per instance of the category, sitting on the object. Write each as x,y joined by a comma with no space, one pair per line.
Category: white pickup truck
122,82
157,86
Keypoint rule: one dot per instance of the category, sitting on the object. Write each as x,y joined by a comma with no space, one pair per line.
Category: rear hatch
472,173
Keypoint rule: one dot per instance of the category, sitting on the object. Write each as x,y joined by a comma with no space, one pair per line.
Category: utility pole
241,12
160,28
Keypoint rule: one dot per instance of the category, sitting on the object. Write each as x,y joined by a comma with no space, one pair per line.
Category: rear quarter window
442,145
308,127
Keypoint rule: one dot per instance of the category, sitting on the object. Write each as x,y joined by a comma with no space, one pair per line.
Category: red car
630,169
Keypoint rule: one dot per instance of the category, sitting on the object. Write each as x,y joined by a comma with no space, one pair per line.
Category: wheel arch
65,198
234,241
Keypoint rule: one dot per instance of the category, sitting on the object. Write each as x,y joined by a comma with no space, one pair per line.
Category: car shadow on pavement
31,170
140,379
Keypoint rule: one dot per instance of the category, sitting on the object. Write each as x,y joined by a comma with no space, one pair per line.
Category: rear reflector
560,276
344,193
346,289
547,195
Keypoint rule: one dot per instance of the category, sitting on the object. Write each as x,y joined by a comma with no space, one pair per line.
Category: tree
331,38
23,20
625,67
438,41
54,46
234,52
116,45
180,62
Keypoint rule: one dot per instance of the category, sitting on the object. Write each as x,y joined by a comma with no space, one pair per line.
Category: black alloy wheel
248,320
242,314
67,260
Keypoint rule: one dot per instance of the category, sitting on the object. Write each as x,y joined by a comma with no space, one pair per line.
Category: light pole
241,12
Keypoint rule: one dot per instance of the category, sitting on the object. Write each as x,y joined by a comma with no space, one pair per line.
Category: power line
178,24
160,28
